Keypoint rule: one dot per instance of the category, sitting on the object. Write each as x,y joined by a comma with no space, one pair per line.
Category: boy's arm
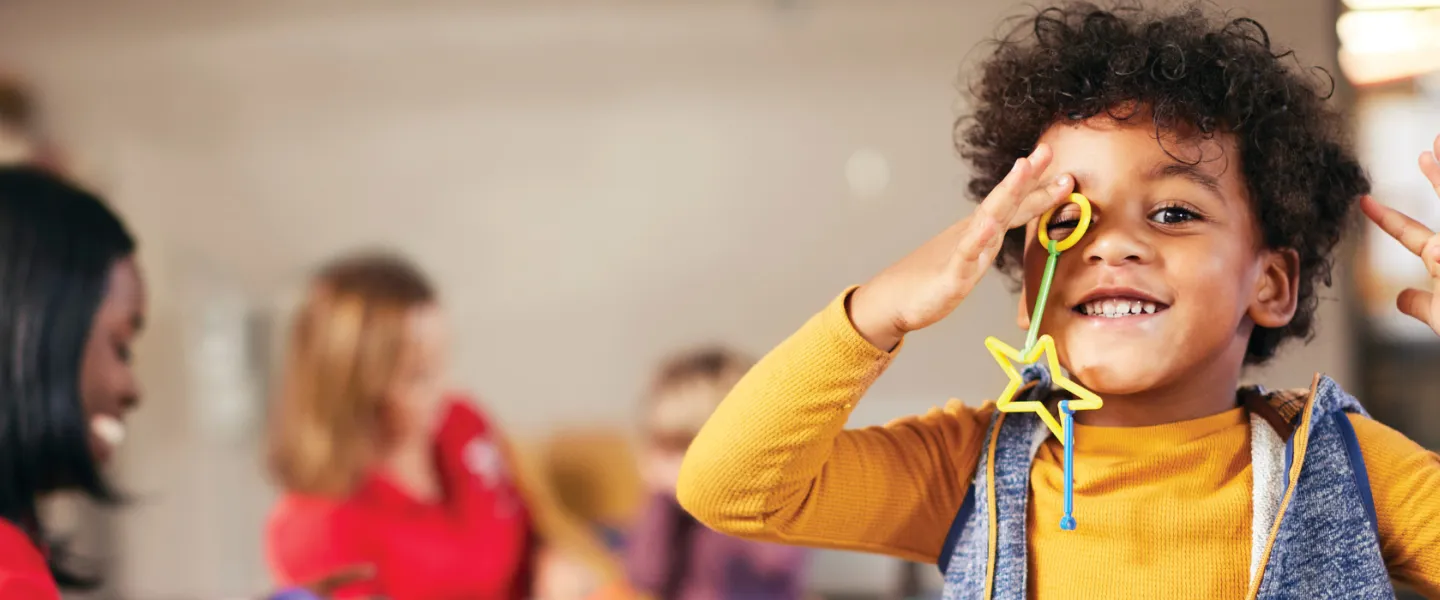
1405,482
774,463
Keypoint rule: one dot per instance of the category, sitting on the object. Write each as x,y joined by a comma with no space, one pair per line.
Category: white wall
592,186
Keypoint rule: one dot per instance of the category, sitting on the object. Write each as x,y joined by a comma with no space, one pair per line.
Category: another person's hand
927,285
561,575
1423,305
325,587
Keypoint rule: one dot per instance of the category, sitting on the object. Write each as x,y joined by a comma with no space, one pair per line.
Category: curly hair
1192,71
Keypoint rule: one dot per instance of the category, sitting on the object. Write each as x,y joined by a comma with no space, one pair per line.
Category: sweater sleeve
774,463
1405,482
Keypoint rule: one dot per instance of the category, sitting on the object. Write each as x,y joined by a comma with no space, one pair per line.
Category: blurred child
671,555
380,465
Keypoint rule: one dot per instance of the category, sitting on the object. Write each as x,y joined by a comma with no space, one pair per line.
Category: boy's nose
1115,245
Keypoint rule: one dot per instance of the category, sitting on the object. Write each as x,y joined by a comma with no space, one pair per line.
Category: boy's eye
1173,215
1063,222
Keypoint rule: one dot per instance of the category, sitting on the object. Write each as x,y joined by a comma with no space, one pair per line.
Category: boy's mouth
1118,304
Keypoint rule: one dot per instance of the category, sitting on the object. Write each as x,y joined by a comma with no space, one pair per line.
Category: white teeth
109,429
1114,308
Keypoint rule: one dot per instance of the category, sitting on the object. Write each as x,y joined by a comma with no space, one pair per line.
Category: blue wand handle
1068,420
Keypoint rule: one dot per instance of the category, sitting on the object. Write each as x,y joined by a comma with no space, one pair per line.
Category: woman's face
419,386
108,389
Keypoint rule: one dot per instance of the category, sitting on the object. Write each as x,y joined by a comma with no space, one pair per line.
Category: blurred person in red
380,464
670,555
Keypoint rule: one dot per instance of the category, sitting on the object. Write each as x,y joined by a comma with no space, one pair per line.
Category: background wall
593,185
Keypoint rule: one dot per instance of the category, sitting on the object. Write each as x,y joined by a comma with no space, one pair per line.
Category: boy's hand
1421,304
928,284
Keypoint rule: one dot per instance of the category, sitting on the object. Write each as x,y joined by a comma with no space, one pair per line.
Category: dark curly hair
1191,70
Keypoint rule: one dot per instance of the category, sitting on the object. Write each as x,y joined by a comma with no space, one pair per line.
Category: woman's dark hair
1191,71
57,246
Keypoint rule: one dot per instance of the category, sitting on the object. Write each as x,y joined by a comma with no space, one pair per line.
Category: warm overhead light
1389,31
1373,69
1390,4
1384,46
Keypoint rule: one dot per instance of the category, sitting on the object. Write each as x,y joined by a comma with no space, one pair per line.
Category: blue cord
1068,521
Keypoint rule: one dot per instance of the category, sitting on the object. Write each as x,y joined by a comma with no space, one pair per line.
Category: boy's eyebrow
1190,172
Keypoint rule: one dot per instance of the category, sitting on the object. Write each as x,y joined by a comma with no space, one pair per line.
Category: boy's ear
1278,292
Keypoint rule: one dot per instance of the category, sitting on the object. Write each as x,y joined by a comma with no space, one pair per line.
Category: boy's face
1167,284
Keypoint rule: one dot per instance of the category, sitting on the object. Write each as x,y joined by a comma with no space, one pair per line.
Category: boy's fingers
1004,200
1431,168
1430,255
982,233
1054,193
1010,194
1411,233
1418,304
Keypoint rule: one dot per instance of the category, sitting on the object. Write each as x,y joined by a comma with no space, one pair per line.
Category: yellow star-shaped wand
1007,356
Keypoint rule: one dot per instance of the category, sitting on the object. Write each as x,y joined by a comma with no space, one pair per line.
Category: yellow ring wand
1037,345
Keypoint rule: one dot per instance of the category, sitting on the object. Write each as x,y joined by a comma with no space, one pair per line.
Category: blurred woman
72,303
671,556
380,465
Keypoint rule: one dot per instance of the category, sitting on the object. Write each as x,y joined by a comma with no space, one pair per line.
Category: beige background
593,185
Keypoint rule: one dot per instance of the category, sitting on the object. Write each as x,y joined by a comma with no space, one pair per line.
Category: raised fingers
1411,233
1419,304
1009,196
1430,166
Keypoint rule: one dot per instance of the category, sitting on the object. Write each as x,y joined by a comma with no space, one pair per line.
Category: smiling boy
1220,184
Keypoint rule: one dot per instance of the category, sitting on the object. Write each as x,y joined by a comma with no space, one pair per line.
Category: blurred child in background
381,466
670,555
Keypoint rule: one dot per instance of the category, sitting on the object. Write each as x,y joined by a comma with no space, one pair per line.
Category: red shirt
474,545
23,573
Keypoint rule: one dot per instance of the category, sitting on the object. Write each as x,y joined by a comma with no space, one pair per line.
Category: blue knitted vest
1325,545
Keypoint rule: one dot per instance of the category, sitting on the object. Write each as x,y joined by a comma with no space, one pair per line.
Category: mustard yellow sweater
1166,508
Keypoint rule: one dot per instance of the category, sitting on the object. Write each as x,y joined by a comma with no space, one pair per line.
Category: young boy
1220,183
670,556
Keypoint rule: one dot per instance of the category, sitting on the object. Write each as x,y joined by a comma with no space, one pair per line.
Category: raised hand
927,285
1423,305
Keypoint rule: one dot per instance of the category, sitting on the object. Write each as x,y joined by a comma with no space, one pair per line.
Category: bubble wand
1037,345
